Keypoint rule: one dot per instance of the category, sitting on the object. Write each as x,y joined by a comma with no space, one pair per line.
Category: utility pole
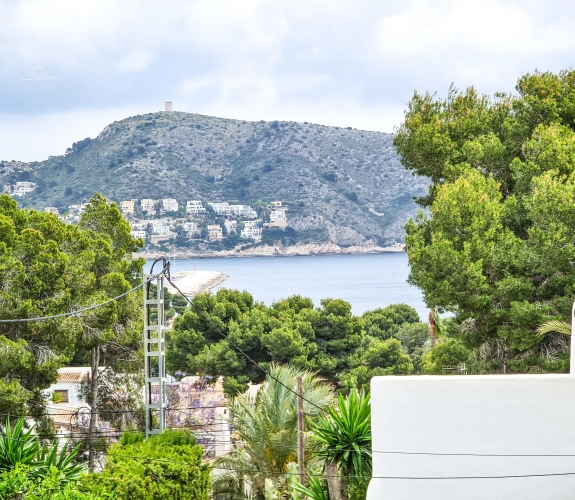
300,430
154,352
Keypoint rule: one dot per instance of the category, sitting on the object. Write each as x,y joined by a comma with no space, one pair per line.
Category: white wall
490,414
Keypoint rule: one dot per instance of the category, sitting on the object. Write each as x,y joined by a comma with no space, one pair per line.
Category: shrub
164,466
448,353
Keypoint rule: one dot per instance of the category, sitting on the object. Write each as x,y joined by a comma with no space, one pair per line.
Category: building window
61,396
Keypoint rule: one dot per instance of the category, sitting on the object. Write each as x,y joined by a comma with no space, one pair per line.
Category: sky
68,68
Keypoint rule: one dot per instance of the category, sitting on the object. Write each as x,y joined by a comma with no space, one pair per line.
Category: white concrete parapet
462,426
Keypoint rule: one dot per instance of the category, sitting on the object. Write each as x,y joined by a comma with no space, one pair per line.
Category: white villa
195,207
170,205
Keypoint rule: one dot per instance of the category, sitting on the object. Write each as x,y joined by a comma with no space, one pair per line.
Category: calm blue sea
366,281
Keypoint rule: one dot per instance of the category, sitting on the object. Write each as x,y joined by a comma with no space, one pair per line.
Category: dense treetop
496,247
328,339
48,267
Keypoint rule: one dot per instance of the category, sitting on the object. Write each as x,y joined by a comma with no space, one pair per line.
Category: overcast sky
335,62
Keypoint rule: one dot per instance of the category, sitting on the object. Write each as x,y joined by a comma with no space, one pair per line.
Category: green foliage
449,353
48,487
48,267
316,489
164,466
385,322
345,434
498,246
21,450
327,339
377,357
345,438
266,423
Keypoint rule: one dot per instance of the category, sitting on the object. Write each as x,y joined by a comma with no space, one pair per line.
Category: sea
366,281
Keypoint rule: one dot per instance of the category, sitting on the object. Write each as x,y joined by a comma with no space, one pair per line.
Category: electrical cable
80,311
239,349
411,478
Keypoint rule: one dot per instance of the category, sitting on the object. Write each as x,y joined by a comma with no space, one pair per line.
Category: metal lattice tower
154,349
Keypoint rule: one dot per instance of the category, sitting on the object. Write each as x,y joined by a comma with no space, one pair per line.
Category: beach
192,282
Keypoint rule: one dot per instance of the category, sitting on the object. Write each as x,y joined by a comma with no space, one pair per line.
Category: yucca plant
345,438
18,446
316,489
61,460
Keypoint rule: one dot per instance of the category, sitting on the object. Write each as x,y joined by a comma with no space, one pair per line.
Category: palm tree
266,424
345,438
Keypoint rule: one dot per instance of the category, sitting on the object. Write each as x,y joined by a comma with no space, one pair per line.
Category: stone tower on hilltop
168,106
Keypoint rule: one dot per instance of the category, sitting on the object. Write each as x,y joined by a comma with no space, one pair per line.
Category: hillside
342,185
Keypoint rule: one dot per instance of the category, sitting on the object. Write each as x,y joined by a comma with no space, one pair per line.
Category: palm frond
554,325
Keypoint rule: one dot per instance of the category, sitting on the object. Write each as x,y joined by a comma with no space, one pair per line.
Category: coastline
192,282
280,251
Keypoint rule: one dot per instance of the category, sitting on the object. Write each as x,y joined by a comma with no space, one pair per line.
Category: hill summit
342,185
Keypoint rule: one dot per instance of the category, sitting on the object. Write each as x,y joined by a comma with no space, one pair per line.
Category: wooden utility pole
95,386
300,430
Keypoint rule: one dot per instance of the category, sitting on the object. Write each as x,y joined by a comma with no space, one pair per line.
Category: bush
448,353
164,466
350,195
48,487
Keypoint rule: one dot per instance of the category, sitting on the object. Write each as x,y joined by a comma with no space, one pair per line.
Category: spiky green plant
61,460
21,448
345,439
316,489
18,446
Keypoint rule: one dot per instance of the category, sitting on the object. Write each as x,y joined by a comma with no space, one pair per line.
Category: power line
238,348
411,478
80,311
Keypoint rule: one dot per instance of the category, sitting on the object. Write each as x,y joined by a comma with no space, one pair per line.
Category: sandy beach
193,282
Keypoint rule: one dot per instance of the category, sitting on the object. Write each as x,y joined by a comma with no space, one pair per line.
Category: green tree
449,353
385,322
47,268
497,246
164,466
267,425
375,358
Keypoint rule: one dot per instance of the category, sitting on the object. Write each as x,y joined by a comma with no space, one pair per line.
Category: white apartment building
138,234
190,227
21,188
251,230
148,205
195,207
169,205
221,208
52,210
162,229
7,189
243,211
277,215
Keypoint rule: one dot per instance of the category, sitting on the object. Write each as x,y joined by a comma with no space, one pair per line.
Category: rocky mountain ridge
343,186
